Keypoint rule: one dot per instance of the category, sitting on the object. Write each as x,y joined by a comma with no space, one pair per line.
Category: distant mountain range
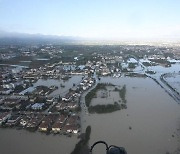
7,38
13,38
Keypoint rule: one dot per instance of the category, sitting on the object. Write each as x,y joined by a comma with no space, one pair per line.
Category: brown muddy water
149,125
61,90
152,115
14,141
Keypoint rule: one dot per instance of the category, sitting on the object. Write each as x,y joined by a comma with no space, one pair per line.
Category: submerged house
34,122
57,126
71,129
72,125
46,123
13,120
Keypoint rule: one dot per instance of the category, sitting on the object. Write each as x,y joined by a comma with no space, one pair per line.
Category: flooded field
174,81
105,97
23,142
160,69
149,125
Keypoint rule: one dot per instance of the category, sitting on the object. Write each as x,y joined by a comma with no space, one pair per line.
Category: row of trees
104,108
122,93
109,107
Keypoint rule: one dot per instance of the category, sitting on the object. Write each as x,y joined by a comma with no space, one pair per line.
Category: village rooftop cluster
24,105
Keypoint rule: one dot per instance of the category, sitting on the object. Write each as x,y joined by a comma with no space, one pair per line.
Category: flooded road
152,115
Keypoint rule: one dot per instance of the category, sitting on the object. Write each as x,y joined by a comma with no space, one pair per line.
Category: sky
103,19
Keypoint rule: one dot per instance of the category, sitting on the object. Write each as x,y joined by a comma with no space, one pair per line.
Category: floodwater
105,97
174,81
160,69
149,125
61,90
14,141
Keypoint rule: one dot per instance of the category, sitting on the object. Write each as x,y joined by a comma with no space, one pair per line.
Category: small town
89,77
54,89
26,106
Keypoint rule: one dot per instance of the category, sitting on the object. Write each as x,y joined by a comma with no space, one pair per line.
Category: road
84,108
159,80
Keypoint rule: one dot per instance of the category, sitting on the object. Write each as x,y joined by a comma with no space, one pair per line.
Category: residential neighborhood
44,94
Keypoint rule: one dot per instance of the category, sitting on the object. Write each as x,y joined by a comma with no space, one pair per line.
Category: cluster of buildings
51,123
36,110
24,105
70,101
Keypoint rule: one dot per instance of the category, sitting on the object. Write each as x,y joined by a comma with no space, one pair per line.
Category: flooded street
148,125
61,90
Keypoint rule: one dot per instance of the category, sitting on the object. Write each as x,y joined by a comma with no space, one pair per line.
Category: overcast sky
106,19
